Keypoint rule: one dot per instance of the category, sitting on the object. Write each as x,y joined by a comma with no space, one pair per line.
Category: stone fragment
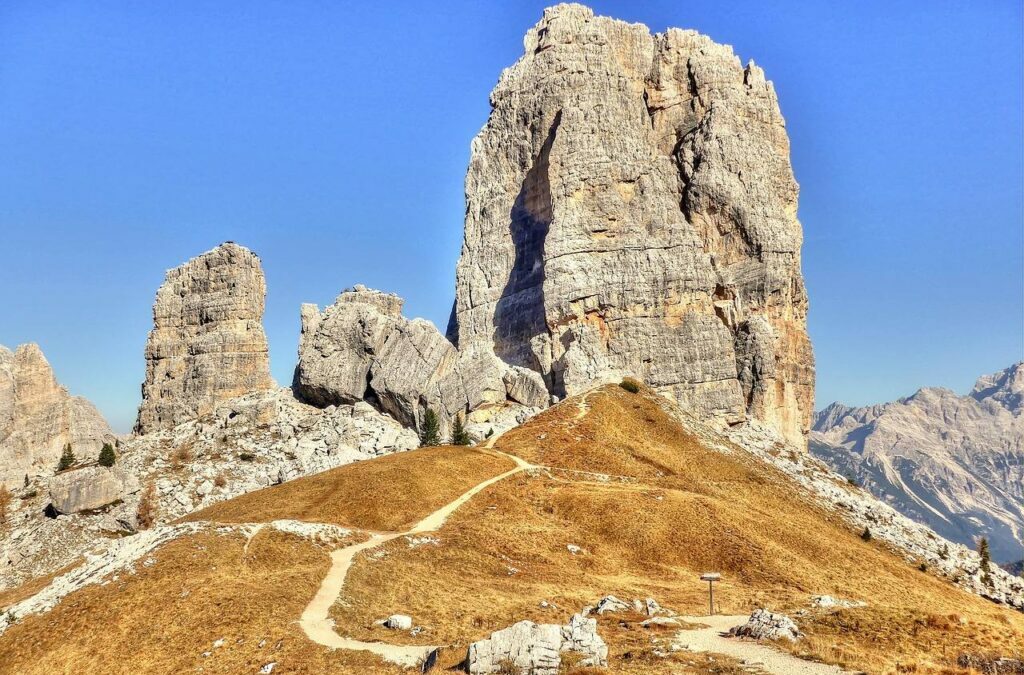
398,622
207,344
764,625
533,648
631,210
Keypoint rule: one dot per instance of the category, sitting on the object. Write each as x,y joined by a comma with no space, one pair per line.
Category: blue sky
332,139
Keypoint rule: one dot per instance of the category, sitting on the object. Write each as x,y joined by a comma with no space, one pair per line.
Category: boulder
207,345
361,348
537,648
764,625
398,622
86,489
631,209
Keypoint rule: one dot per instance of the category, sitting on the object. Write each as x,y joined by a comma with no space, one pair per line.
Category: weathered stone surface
953,462
207,344
536,648
85,489
362,348
764,625
631,210
38,418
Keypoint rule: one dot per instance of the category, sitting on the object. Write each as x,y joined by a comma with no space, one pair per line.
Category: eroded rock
631,209
207,344
86,489
38,417
764,625
537,648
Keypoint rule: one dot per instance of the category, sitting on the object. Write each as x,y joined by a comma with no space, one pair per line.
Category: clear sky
332,139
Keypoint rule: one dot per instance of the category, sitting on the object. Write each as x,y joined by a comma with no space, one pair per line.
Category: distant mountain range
953,462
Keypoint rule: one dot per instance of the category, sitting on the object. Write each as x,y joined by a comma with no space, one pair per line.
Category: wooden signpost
711,578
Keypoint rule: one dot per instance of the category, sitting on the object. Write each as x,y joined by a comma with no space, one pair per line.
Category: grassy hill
624,500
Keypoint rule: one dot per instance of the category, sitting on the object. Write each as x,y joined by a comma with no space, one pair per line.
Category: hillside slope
955,463
606,493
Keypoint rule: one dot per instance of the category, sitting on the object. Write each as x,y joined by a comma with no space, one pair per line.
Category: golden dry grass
679,510
689,510
388,493
163,619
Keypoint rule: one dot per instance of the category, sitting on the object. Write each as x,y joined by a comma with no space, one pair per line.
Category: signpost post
711,578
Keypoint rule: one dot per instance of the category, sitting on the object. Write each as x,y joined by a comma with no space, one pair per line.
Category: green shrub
430,432
866,534
67,459
247,457
630,385
107,456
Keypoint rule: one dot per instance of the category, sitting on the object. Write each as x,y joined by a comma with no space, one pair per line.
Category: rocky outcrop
207,344
38,417
361,348
86,489
631,209
764,625
955,463
533,648
244,444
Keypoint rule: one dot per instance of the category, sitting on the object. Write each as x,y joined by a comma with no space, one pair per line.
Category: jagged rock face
953,462
362,348
207,344
528,647
631,209
38,418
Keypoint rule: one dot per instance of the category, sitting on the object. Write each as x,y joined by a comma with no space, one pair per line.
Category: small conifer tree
107,456
459,435
986,561
430,432
866,534
67,459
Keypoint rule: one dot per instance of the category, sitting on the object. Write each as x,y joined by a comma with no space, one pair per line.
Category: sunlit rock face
631,208
207,344
38,417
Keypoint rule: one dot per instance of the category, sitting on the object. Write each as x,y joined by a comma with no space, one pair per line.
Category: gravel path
752,653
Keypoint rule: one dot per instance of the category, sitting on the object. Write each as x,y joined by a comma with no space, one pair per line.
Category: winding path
763,657
316,621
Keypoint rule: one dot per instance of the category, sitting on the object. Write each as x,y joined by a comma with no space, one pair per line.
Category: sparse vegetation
67,459
631,385
107,457
145,516
220,481
866,534
5,503
181,456
430,434
923,566
459,435
986,561
247,457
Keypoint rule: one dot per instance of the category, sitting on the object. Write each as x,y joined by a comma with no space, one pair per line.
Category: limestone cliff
38,417
631,209
207,344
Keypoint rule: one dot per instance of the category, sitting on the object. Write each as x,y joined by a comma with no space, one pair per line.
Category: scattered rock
398,622
536,648
827,601
764,625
